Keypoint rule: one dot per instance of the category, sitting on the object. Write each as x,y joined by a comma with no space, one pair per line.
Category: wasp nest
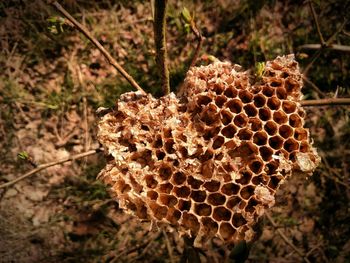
209,161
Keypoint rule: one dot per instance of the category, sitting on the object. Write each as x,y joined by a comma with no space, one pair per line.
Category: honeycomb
209,160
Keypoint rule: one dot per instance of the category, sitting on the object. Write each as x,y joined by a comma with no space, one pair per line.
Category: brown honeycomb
209,161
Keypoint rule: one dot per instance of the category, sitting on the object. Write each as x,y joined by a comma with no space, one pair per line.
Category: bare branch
47,165
323,43
314,87
97,44
325,102
159,26
335,47
200,39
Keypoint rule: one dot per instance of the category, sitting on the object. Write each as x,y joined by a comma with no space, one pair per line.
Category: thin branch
159,26
335,47
286,239
325,102
97,44
200,39
314,87
47,165
168,246
323,43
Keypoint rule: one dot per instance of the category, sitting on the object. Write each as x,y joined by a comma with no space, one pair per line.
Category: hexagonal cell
183,151
271,127
276,142
167,133
238,220
245,134
281,93
283,152
169,146
266,153
242,205
240,120
182,191
207,169
220,100
198,196
255,124
265,114
250,208
165,188
210,132
226,117
272,167
168,200
280,117
193,182
173,216
184,205
260,138
247,149
291,145
268,91
256,166
179,178
209,115
233,201
209,226
216,199
218,142
247,191
159,211
259,100
289,106
230,189
245,96
245,178
276,83
304,146
226,231
295,121
229,131
165,171
291,85
190,221
202,209
212,186
273,103
260,179
274,182
218,88
203,100
221,214
158,142
285,131
250,110
235,105
300,134
231,145
230,92
301,113
153,195
151,182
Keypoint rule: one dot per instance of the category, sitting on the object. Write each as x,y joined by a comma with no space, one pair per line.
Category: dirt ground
52,80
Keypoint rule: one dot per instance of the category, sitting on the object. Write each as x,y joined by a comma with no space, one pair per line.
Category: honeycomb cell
235,105
271,127
207,169
151,182
245,134
260,138
233,201
165,172
167,132
179,178
168,200
250,110
209,115
229,131
255,124
291,145
193,182
272,167
283,152
183,151
231,144
198,196
182,191
159,211
291,85
220,101
226,117
256,166
268,91
247,149
202,209
304,146
226,231
289,106
250,208
209,226
173,216
274,182
273,103
212,186
230,92
221,214
238,220
245,178
216,199
247,191
158,142
295,121
184,205
165,188
281,93
266,153
265,114
280,117
218,88
259,100
203,100
300,134
245,96
240,120
276,83
153,195
218,142
260,179
211,132
285,131
276,142
190,221
301,113
230,189
169,146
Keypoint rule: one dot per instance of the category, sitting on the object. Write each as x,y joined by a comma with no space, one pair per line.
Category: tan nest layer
209,161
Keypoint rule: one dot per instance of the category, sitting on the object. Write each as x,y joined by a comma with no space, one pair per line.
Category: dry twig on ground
325,102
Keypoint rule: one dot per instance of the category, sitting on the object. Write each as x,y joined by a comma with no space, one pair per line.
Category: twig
47,165
290,243
323,43
200,39
335,47
314,87
168,246
324,102
97,44
159,26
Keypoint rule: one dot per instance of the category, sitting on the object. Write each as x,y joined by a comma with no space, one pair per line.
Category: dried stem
323,43
325,102
200,39
335,47
286,239
168,246
314,87
159,26
47,165
97,44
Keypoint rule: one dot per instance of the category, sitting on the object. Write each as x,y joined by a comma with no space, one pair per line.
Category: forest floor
52,80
